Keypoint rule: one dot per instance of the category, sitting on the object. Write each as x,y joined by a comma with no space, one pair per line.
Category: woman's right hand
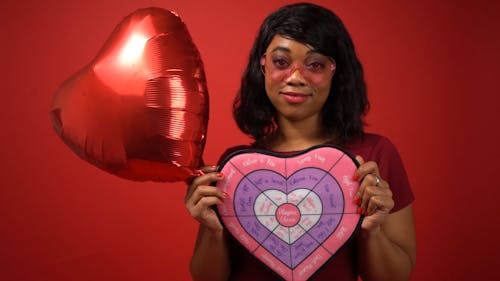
201,196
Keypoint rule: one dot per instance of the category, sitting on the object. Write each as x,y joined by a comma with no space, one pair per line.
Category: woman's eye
280,63
316,66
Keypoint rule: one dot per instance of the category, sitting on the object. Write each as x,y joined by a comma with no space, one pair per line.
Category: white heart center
288,216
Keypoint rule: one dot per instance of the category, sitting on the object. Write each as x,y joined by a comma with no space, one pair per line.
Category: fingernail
199,173
355,177
360,210
225,195
365,213
220,175
357,200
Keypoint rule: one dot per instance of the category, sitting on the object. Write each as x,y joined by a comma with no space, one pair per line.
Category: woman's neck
295,136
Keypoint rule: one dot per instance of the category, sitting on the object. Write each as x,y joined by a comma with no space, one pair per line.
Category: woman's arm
386,241
210,260
388,253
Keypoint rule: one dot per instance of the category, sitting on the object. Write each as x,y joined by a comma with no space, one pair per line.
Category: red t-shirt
343,267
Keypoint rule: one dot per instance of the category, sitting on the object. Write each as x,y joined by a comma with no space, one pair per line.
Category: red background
432,74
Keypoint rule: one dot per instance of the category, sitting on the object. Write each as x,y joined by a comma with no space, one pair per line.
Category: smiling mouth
295,98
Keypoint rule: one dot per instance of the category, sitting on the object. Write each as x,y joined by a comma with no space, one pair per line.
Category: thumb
360,159
209,169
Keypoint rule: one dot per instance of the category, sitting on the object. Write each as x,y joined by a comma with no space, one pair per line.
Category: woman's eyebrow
281,48
286,49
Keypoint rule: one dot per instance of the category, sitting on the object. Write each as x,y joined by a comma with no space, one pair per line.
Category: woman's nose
295,75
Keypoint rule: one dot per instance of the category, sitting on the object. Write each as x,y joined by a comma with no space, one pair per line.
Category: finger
202,205
371,191
368,180
208,169
360,159
203,198
382,203
368,193
366,168
377,181
366,174
205,191
371,180
199,172
368,188
205,179
200,192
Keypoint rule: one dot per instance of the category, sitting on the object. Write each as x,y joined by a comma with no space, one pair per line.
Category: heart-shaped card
293,212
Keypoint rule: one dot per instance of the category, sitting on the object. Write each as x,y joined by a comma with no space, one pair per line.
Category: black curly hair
347,103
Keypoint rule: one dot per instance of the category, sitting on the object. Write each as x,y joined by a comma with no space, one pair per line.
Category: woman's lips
292,97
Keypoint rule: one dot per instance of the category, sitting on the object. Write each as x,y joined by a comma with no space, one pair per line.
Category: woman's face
297,78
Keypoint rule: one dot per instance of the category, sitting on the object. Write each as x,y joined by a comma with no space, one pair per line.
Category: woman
304,86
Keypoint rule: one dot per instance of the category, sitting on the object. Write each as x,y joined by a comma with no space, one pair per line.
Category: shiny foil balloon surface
139,110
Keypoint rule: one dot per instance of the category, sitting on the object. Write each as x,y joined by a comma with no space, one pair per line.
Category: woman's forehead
284,44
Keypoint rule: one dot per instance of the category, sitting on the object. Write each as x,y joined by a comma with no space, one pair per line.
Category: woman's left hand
374,196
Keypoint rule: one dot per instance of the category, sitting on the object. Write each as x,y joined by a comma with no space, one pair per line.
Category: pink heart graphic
292,212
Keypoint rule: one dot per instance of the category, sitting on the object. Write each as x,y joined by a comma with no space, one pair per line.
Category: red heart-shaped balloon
139,110
292,212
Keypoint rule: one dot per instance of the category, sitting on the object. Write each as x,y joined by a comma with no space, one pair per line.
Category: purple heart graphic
262,197
291,212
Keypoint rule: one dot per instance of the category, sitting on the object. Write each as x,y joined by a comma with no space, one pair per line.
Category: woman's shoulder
373,138
378,148
370,143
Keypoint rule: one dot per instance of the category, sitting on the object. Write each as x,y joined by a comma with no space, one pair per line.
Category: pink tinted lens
314,71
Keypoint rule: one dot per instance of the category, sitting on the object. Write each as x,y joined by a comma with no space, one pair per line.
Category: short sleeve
381,150
393,171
